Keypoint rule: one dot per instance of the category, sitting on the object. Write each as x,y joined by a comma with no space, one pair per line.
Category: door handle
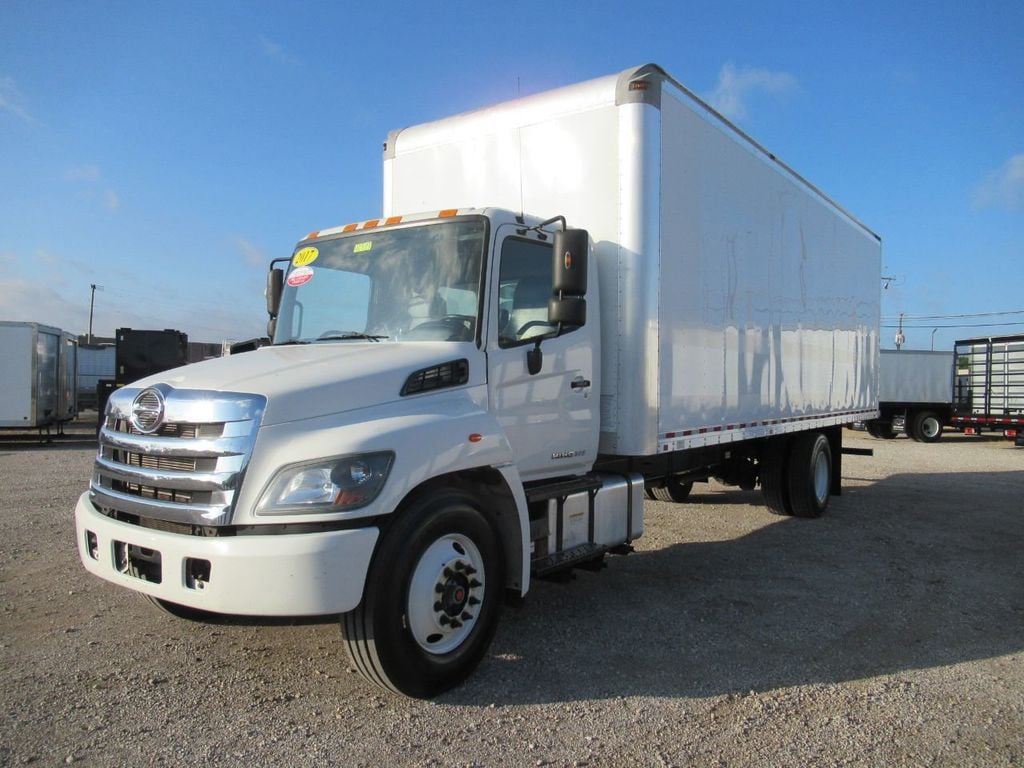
579,383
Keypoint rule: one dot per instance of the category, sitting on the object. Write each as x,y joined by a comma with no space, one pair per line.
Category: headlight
324,486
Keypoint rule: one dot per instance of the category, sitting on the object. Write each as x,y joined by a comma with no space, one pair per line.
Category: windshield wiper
351,335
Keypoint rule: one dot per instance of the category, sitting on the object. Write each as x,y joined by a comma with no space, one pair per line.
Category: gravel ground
889,632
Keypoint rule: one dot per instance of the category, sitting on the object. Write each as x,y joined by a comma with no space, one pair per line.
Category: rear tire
809,474
432,598
926,427
880,429
674,490
772,472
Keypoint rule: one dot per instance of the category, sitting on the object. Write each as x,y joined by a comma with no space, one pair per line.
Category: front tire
432,598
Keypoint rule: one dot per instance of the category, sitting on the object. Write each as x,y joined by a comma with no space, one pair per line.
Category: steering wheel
451,328
527,326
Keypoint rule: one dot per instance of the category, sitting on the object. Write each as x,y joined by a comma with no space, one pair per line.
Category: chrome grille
185,470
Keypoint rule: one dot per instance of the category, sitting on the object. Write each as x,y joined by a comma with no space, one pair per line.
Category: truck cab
427,408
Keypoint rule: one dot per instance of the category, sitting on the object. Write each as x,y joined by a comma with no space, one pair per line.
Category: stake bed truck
613,292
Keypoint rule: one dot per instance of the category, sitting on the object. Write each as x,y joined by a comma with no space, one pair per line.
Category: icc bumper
276,575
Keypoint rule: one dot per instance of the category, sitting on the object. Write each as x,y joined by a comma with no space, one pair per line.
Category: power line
960,325
954,317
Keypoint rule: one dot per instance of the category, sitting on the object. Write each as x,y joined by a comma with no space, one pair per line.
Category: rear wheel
809,474
772,472
432,599
674,490
926,427
880,429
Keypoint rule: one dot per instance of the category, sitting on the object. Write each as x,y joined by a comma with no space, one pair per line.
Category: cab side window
524,288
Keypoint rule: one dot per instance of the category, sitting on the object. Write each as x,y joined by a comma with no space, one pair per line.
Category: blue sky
166,151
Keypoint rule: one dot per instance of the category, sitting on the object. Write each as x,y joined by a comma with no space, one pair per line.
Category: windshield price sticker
300,276
305,256
363,247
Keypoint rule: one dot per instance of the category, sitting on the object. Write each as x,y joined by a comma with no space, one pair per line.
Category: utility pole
92,302
933,338
900,338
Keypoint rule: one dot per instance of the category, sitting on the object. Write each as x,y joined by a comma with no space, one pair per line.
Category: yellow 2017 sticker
363,247
305,256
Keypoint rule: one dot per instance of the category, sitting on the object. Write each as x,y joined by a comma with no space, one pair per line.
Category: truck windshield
415,283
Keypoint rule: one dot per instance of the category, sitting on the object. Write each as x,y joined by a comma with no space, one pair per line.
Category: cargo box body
915,376
737,301
37,375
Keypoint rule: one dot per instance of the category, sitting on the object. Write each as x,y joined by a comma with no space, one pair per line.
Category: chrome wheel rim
821,478
446,594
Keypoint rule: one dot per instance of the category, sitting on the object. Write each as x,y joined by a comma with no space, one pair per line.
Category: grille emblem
148,411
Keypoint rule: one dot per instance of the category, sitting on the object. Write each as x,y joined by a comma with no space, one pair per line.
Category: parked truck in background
37,376
914,394
569,299
989,386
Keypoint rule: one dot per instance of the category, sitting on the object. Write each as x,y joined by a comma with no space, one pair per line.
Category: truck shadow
915,571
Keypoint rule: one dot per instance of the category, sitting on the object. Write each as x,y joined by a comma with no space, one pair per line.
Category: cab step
569,558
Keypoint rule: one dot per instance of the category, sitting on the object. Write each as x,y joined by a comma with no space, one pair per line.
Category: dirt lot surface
889,632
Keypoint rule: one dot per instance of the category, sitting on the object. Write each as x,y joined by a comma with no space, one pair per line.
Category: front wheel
432,599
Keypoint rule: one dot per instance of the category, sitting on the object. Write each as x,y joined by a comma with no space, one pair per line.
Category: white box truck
37,376
915,394
570,299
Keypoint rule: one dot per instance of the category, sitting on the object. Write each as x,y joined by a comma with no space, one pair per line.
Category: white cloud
1004,187
11,99
83,173
252,254
736,86
36,301
89,177
275,51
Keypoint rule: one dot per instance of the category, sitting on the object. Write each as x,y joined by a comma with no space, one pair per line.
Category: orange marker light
448,212
349,228
393,220
311,235
371,224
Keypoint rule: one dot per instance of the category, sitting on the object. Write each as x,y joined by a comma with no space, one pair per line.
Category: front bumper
308,574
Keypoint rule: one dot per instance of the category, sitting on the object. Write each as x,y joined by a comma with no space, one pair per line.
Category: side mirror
275,285
569,268
569,278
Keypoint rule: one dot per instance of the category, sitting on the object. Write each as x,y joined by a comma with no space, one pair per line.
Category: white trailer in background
570,299
989,386
915,394
37,376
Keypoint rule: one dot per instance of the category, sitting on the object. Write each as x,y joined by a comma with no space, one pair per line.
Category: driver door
549,417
